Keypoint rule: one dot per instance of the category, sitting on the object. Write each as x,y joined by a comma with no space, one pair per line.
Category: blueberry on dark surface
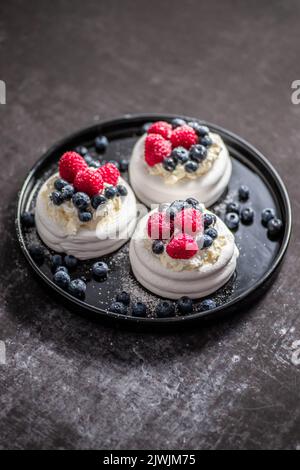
82,150
176,122
165,309
99,270
198,153
191,166
211,232
243,193
37,252
207,304
192,202
95,164
62,279
266,215
123,165
27,219
233,207
158,247
56,198
118,307
77,288
62,268
70,261
110,192
180,154
122,190
101,143
98,200
60,183
206,141
81,200
169,164
185,305
208,219
85,216
207,241
275,227
123,297
232,220
56,261
139,309
67,192
247,215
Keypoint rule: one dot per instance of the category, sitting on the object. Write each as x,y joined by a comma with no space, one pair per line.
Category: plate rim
105,314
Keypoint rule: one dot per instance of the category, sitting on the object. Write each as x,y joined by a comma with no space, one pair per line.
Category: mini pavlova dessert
178,160
84,211
181,249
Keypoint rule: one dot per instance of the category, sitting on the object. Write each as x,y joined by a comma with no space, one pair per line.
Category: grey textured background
69,383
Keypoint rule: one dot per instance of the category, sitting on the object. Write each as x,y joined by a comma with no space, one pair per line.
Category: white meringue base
196,283
151,189
87,243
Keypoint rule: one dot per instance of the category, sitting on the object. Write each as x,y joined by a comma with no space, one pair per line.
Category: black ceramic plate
259,258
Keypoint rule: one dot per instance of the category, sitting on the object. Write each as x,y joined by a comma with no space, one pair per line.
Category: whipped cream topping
154,185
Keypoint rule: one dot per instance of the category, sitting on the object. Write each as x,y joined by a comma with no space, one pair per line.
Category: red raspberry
183,246
69,165
184,136
110,173
89,181
162,128
159,226
156,149
189,221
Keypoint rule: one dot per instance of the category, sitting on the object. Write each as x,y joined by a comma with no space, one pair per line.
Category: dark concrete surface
68,383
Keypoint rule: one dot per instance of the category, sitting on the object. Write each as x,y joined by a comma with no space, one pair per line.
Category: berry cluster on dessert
183,249
186,157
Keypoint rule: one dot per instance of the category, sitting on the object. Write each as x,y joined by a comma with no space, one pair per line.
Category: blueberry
88,159
192,202
180,154
211,232
247,215
123,165
207,241
122,190
207,304
233,207
123,297
232,220
99,270
56,261
198,153
206,141
70,261
274,227
177,122
110,192
101,143
60,183
139,310
77,288
85,216
67,192
266,215
98,200
165,309
201,131
82,150
208,219
56,198
37,252
185,305
62,279
81,200
243,193
191,166
169,164
95,164
118,307
62,268
27,219
158,247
